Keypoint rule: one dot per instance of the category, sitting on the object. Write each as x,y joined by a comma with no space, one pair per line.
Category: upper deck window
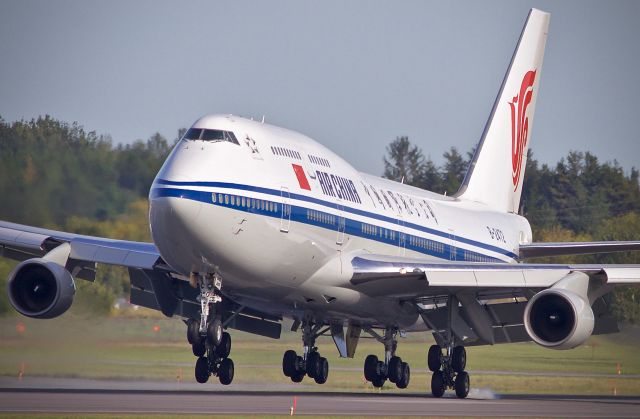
211,135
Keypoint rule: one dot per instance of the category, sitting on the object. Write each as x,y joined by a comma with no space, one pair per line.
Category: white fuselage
280,217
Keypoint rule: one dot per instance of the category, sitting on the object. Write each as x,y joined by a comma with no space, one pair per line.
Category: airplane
253,224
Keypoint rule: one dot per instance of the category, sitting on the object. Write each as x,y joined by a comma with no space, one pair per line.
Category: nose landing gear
209,342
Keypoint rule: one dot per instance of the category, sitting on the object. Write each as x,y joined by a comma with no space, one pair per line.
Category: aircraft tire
289,363
226,371
437,384
214,332
394,371
434,358
193,331
224,348
459,359
323,371
378,381
370,367
202,370
403,382
313,364
297,377
198,349
462,384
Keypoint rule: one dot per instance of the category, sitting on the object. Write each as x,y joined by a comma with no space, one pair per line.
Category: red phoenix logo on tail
520,124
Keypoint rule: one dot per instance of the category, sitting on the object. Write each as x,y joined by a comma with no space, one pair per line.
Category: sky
353,75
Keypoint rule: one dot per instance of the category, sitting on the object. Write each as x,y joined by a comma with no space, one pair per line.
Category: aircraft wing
21,242
534,250
379,275
489,298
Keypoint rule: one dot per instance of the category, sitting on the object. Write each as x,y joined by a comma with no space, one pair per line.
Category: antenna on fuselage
263,119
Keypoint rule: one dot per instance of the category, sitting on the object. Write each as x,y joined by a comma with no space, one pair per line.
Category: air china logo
520,124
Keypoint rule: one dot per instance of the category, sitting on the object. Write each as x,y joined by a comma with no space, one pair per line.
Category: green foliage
50,170
579,194
57,175
92,298
5,267
455,167
139,162
405,162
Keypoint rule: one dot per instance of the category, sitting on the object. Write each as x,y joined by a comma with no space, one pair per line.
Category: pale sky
351,74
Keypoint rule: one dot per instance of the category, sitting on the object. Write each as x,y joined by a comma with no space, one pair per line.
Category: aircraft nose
173,210
175,229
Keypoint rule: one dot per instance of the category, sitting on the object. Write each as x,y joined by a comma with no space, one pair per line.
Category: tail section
497,169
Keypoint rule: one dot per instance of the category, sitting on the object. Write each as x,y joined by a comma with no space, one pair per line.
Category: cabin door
285,213
341,224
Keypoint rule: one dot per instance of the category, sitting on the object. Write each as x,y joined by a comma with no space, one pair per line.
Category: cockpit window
193,134
230,136
211,135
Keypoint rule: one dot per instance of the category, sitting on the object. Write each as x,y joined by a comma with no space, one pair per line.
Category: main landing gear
311,363
208,341
448,370
392,368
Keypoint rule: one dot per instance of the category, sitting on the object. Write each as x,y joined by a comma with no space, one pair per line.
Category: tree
404,162
431,179
455,167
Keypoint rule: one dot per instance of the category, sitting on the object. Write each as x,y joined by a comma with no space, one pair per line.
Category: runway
27,400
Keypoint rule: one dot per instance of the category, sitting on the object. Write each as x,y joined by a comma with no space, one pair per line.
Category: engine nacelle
557,318
41,288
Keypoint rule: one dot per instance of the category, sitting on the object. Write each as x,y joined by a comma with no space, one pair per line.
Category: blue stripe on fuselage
352,226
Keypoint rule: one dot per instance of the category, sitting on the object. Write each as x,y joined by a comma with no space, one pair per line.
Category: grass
156,349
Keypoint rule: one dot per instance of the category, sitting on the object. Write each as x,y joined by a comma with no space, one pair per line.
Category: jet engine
41,288
558,318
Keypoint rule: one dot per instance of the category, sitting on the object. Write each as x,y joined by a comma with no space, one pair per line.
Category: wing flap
536,250
622,274
499,279
442,278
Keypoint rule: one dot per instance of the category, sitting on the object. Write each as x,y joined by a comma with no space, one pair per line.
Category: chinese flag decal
302,178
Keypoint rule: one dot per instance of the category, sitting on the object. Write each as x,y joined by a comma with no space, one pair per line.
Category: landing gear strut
392,368
208,341
449,368
311,363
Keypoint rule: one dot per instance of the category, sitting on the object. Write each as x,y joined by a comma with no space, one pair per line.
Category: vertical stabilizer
497,169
